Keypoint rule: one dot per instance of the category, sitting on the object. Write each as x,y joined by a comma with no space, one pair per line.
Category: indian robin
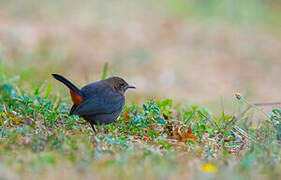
100,102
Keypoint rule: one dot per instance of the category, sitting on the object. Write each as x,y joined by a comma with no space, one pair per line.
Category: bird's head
118,84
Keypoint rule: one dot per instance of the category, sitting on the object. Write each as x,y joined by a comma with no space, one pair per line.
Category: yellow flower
237,95
209,168
13,120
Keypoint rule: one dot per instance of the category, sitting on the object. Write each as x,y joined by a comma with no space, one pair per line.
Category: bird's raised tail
75,93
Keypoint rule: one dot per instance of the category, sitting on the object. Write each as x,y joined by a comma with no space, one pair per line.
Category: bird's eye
122,84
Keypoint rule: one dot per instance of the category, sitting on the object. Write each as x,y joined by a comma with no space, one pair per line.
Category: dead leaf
187,135
176,133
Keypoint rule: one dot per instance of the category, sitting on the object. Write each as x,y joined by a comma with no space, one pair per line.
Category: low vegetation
159,139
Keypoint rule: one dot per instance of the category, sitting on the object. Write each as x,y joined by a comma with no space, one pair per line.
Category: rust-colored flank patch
76,98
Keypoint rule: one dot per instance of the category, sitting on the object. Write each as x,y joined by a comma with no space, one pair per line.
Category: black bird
100,102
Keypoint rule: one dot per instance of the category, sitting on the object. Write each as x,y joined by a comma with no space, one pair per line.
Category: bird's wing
102,102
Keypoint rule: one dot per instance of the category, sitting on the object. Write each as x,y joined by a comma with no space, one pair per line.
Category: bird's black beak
131,86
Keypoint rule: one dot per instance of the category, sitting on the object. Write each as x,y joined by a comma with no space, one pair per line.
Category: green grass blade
105,69
48,90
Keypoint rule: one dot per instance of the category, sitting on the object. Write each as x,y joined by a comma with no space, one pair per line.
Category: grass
158,140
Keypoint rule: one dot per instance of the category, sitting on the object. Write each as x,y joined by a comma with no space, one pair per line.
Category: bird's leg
93,127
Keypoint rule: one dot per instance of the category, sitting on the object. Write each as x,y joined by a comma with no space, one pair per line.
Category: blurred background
200,50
